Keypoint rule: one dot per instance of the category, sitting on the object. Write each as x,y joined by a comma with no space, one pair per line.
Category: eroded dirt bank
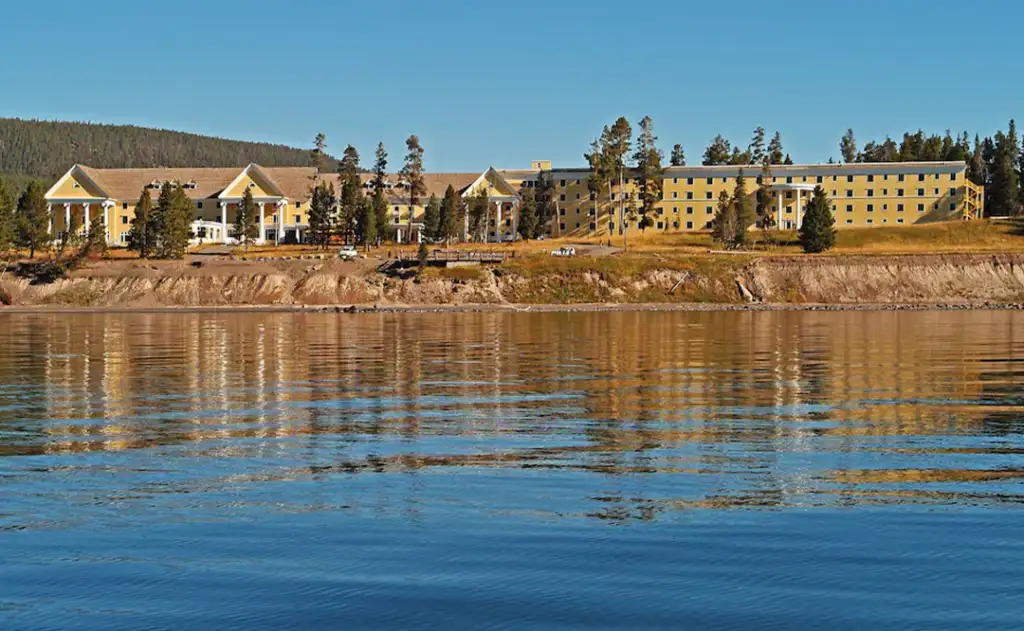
837,280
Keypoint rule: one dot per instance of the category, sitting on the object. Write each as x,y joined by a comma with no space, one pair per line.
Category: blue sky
490,83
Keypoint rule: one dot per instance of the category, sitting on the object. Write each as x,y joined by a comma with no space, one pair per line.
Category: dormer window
154,184
191,184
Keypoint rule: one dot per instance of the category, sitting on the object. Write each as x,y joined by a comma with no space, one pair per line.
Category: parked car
348,252
564,251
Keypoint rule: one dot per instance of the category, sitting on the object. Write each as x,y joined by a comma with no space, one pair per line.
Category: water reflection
619,416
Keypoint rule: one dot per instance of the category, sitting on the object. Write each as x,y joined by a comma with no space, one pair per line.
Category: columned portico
789,191
223,222
263,226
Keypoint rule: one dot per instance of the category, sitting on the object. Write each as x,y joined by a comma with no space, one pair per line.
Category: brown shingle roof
127,184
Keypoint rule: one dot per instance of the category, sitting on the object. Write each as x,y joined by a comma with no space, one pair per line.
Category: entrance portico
785,192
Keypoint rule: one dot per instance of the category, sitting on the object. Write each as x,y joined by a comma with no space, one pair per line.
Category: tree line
995,162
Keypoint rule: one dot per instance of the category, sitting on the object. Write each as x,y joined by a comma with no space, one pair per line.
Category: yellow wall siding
77,188
258,187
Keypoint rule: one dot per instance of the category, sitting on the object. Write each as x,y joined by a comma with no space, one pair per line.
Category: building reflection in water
671,410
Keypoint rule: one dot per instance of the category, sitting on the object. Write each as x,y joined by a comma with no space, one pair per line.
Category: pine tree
322,205
724,229
367,222
787,160
412,174
1004,189
678,158
143,234
479,205
449,216
351,193
33,223
745,211
380,202
528,213
246,220
756,150
649,171
7,219
976,164
775,155
718,152
432,218
817,233
547,207
173,212
766,218
317,156
848,147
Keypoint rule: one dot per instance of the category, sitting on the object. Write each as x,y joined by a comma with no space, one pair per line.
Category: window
661,226
724,180
920,192
708,195
819,179
124,219
561,211
936,176
834,194
593,226
298,218
899,208
789,194
849,192
900,220
871,192
199,205
952,207
952,192
900,177
885,206
76,185
561,183
849,221
885,220
920,208
870,221
952,177
675,224
577,197
689,225
789,179
871,178
396,209
849,208
613,196
871,208
849,178
805,178
689,194
937,192
675,209
689,181
709,210
920,177
561,227
561,197
885,192
689,210
834,178
124,206
899,192
397,220
675,195
577,182
885,177
711,180
298,204
593,196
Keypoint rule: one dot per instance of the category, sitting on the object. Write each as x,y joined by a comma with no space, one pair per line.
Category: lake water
855,470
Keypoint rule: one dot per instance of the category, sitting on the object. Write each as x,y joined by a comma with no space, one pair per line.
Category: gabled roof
253,171
496,174
89,175
127,184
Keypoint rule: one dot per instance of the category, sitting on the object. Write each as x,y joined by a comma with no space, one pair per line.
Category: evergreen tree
755,150
479,206
787,160
175,211
547,207
1005,188
367,222
412,174
528,213
321,214
775,155
976,164
718,152
723,230
351,193
8,219
649,171
380,202
739,157
766,218
432,218
450,216
317,156
745,210
159,217
678,158
817,233
247,228
33,223
848,147
143,234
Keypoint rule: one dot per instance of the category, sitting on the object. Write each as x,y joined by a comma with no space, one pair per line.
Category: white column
223,222
515,219
799,210
86,208
280,220
778,209
49,214
263,234
67,220
108,223
497,221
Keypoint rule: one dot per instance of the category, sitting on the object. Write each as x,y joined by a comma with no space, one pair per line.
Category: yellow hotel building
861,194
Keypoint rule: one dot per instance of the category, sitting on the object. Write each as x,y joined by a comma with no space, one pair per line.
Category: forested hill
46,150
